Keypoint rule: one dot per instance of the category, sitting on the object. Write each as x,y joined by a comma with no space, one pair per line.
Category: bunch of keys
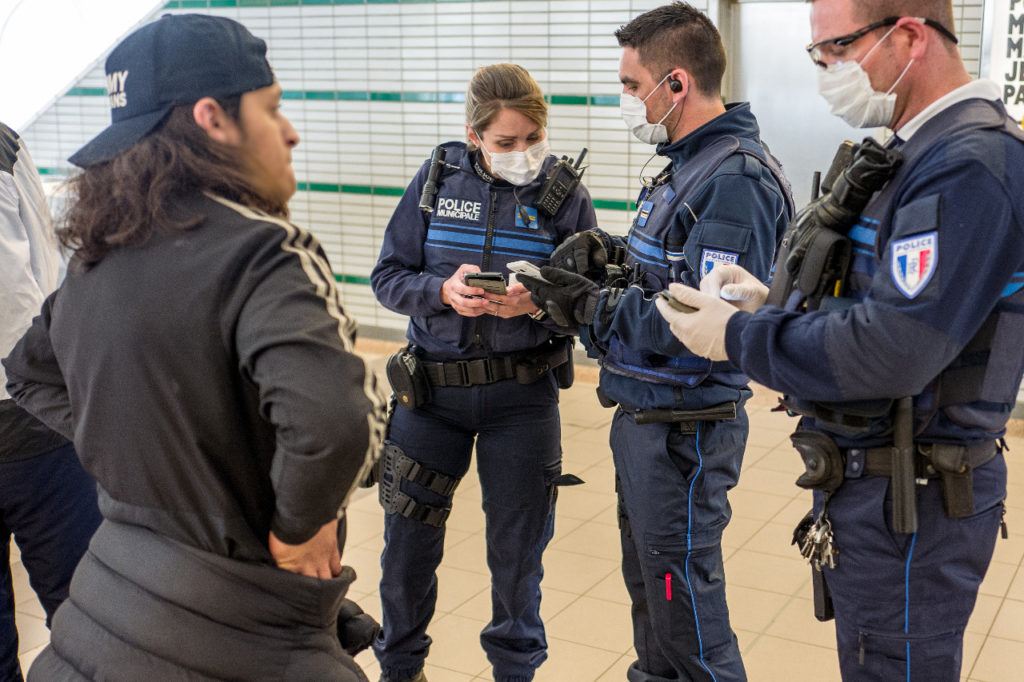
818,546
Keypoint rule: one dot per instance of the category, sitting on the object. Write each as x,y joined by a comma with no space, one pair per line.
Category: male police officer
679,433
931,306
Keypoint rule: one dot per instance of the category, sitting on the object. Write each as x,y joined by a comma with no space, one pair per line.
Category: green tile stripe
368,96
351,279
375,190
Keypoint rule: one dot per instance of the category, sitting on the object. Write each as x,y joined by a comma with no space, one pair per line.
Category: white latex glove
734,284
702,331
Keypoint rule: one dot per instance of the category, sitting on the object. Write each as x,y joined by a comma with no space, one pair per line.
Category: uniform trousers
48,503
518,456
673,509
902,601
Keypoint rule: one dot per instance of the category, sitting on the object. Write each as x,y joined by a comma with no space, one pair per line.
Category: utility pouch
823,463
408,379
954,467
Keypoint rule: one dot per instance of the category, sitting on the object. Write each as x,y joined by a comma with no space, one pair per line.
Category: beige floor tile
972,647
469,554
32,632
753,504
782,458
774,538
796,622
998,661
1009,622
575,573
773,659
998,578
1016,590
457,645
766,572
25,658
768,481
574,662
1011,550
583,501
752,609
617,671
739,531
456,586
985,609
595,623
611,588
30,606
590,539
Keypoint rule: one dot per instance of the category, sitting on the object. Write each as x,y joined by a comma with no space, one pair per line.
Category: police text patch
914,262
709,258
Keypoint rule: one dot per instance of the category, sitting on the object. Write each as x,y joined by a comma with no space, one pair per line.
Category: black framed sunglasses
815,52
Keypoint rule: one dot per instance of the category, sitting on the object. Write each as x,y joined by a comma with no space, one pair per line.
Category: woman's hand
516,301
460,296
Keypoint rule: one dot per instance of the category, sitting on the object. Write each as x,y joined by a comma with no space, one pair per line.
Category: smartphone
681,307
491,282
525,267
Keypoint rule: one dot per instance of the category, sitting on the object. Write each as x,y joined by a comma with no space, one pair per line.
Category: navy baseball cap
178,59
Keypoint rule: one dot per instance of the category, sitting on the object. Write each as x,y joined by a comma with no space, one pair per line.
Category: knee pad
395,466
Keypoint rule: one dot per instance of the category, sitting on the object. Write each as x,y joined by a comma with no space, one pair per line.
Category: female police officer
483,357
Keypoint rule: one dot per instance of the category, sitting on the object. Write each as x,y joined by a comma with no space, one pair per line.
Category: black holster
408,379
954,468
555,355
823,463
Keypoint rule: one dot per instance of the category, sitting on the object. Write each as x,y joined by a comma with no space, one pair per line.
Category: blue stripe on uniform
689,540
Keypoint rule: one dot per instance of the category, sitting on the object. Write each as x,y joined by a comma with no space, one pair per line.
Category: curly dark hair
120,203
678,35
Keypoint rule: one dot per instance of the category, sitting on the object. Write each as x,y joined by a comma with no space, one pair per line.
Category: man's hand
569,299
318,557
702,331
734,284
584,253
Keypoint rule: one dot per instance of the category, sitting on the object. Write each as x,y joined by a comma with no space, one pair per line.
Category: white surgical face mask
519,168
847,89
634,113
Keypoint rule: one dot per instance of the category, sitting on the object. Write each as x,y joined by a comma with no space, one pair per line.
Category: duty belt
878,461
953,464
470,372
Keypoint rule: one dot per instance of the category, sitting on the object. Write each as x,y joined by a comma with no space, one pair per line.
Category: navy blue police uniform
476,394
934,309
722,200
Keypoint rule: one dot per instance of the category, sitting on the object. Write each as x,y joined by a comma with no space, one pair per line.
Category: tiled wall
373,85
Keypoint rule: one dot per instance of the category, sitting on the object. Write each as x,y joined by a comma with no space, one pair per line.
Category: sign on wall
1004,35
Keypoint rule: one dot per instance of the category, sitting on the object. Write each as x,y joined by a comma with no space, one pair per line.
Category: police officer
907,370
484,358
678,434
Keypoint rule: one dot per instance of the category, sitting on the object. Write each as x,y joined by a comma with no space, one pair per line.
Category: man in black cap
200,359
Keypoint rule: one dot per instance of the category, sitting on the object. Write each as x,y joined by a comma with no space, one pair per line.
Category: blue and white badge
709,258
531,214
644,213
914,261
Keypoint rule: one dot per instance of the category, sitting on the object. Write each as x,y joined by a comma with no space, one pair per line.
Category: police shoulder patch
709,258
914,262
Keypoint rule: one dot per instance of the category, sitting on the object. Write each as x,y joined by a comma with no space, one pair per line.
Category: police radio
429,193
561,181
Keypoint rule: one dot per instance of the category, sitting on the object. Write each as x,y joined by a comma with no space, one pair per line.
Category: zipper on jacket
485,263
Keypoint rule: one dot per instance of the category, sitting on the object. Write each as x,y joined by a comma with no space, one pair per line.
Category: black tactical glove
356,629
584,253
569,299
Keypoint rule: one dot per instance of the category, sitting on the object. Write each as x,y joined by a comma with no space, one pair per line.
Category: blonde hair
503,86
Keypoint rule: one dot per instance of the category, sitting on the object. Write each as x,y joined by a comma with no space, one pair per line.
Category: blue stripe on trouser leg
675,500
899,617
